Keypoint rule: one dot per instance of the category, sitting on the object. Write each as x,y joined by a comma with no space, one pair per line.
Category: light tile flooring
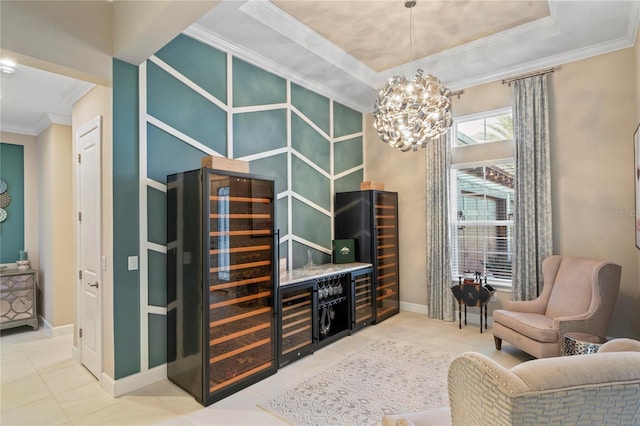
42,384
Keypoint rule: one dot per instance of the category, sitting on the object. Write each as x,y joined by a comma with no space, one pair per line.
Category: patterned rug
387,377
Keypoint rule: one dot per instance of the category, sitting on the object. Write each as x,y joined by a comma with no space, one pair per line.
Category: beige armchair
578,296
601,388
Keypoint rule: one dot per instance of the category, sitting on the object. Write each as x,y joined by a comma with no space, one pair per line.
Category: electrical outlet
494,297
133,263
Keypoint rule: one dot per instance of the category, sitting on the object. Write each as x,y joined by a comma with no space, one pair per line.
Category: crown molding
48,119
21,130
550,61
76,91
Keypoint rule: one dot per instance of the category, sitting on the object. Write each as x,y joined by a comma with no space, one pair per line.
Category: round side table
581,343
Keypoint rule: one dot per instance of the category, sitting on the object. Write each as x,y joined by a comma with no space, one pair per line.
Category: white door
88,140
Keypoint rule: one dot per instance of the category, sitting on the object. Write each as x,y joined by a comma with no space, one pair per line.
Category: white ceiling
346,50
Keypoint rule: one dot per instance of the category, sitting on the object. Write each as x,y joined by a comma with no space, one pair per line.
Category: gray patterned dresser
18,298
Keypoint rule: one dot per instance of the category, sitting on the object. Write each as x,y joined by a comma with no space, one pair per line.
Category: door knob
95,284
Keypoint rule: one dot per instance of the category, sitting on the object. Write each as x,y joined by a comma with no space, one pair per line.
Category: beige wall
98,102
592,116
56,275
591,159
30,192
637,74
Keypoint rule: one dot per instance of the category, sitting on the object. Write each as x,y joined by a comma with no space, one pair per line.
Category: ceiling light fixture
409,114
7,67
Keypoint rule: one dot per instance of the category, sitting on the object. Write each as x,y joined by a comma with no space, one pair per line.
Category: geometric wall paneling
346,121
157,285
282,224
184,109
347,154
306,140
300,255
157,222
166,154
206,66
195,100
274,166
315,107
310,183
310,225
157,331
259,131
349,182
255,86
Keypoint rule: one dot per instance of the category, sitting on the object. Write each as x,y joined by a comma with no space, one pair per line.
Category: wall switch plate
133,263
103,262
494,297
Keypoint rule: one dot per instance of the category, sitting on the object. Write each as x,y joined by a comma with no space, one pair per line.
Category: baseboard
133,382
75,354
414,307
52,331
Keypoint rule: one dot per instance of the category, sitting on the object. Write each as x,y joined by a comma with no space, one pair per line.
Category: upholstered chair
578,296
601,388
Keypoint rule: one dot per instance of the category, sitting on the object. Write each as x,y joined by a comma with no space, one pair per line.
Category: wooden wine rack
386,255
241,291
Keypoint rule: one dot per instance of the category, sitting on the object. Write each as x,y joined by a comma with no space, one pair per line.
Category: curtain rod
527,75
456,93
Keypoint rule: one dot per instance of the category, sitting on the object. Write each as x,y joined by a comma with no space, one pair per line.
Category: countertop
319,271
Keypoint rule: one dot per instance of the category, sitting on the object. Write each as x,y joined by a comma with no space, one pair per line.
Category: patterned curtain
532,209
441,302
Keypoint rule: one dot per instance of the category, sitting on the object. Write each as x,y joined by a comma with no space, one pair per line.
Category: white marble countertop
319,271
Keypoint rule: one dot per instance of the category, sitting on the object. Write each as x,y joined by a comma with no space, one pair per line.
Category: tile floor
42,384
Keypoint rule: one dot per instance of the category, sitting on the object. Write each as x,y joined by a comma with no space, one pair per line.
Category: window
482,196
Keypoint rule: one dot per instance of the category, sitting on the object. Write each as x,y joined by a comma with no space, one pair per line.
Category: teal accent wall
255,86
157,340
12,229
202,64
260,131
157,222
157,283
126,228
177,105
346,121
166,154
312,105
189,93
310,143
347,154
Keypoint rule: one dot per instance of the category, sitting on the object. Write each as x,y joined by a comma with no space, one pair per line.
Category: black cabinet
333,313
371,219
221,282
297,321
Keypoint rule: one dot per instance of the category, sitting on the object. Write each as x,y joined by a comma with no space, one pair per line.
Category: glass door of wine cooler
296,321
363,299
240,247
386,225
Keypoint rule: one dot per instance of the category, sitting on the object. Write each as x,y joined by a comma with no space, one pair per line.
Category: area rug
389,376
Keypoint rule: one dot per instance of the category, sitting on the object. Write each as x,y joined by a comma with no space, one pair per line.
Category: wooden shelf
241,199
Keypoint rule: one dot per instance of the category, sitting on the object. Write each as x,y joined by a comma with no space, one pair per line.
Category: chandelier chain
409,114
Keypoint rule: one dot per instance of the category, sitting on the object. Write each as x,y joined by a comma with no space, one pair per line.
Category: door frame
83,129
